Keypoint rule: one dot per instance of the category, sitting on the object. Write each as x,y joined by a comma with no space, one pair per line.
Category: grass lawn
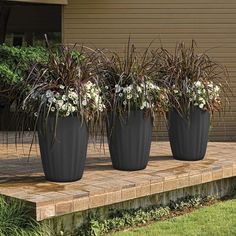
215,220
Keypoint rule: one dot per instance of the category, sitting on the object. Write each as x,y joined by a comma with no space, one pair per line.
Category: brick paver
101,185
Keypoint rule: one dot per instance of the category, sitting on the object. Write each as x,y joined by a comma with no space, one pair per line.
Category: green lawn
216,220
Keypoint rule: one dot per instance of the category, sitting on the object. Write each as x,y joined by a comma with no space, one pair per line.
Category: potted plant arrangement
196,89
65,100
132,99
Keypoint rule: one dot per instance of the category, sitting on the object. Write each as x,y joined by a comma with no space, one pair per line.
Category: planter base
130,141
189,137
63,157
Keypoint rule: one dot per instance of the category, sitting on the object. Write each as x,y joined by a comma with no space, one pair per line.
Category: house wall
212,23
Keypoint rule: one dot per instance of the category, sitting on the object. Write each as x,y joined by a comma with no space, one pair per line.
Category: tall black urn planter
189,137
63,153
129,140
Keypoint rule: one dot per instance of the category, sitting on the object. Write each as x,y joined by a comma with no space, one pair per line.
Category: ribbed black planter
189,137
63,157
130,141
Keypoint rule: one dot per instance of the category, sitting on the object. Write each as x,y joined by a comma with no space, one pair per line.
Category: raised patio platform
101,185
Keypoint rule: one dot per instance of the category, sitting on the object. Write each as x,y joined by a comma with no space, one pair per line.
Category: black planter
130,141
63,157
189,137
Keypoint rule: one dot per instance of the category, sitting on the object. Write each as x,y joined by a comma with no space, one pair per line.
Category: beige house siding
212,23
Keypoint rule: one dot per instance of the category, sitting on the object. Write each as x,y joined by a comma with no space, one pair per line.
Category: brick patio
101,185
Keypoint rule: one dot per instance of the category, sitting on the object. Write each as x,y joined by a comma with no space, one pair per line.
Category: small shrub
16,220
14,68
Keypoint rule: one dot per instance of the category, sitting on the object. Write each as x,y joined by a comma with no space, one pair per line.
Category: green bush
15,64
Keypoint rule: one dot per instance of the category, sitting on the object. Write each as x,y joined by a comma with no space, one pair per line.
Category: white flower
117,88
49,93
150,85
201,105
148,105
101,107
106,87
210,85
61,86
143,105
59,103
129,96
198,83
50,100
139,89
64,97
57,95
53,109
128,89
217,88
199,91
84,102
72,109
88,95
64,107
97,100
73,95
120,94
88,85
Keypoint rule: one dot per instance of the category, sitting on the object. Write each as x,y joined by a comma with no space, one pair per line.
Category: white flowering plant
141,96
194,79
202,94
67,101
127,83
66,86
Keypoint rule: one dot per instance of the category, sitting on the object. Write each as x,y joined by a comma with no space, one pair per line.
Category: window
28,23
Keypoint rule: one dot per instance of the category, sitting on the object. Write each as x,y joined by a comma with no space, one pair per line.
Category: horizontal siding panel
212,27
158,16
167,37
207,22
146,5
212,23
143,30
151,1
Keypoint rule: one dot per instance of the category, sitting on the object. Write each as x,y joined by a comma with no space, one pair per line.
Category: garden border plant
119,220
